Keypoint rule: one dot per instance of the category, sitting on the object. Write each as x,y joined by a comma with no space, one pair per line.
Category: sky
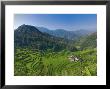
70,22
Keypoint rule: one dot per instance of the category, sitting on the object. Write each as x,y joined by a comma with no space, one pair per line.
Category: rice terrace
55,45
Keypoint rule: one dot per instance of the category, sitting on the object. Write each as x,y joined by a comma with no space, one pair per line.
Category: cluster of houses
73,58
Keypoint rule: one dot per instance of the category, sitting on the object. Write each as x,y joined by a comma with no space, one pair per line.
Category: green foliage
41,54
39,63
26,36
85,42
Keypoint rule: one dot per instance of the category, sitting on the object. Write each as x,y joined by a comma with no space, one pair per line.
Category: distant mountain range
71,35
27,36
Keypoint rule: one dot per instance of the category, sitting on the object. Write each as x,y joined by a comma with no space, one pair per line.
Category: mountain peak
27,29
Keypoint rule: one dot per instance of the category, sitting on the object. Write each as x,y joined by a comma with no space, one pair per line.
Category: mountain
71,35
43,29
89,41
29,36
83,32
64,34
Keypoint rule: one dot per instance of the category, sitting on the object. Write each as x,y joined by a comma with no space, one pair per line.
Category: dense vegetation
35,62
42,54
86,42
26,36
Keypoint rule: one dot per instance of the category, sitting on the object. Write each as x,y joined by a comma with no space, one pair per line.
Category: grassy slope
35,63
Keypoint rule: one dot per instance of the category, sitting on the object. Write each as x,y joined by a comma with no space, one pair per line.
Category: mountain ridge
30,36
71,35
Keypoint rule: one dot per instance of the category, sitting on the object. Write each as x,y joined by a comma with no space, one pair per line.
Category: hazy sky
58,21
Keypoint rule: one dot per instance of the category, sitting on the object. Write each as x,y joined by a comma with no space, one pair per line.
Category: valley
39,52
